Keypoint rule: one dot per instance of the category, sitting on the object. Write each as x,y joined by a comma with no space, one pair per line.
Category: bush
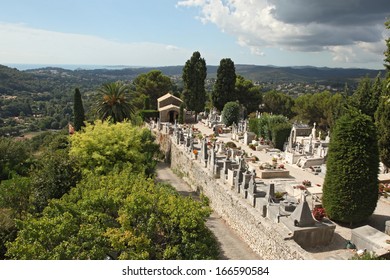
230,145
350,190
231,113
122,216
280,134
148,114
103,147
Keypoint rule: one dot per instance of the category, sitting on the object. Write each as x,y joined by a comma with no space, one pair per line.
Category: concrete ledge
371,239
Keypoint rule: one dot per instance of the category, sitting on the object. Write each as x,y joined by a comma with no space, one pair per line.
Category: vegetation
231,113
151,85
270,127
224,88
104,147
350,190
322,108
92,199
278,103
248,94
194,76
78,110
14,158
114,103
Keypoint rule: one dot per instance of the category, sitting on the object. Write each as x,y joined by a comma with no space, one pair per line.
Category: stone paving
342,234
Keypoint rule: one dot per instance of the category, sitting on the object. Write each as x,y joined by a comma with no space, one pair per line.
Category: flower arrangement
300,187
318,213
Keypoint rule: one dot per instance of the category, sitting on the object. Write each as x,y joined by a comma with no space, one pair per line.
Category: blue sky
332,33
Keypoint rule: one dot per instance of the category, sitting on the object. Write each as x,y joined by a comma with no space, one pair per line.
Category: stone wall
268,239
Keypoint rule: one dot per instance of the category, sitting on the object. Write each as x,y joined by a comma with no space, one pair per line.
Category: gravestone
246,177
302,216
249,137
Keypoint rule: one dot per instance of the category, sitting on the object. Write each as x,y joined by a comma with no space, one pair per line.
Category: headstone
246,177
249,137
302,216
204,150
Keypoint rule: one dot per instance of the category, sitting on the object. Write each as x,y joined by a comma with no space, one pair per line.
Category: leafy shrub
104,146
350,190
148,114
230,113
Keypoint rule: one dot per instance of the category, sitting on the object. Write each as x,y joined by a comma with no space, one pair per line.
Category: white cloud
351,31
22,44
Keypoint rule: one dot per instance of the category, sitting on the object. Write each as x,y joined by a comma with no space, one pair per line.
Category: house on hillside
168,107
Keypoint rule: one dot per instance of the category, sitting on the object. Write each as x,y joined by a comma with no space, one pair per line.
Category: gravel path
231,245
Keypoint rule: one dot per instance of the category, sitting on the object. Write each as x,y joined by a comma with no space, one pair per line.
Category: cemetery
259,190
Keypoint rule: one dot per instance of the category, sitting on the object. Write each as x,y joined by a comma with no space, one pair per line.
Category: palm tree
114,103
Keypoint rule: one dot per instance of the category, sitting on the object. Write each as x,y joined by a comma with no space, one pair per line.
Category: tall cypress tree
382,114
78,110
387,52
350,191
224,88
194,76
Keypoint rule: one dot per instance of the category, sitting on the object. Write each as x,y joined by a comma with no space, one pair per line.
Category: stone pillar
387,227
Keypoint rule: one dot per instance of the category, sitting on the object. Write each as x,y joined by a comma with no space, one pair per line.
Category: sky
331,33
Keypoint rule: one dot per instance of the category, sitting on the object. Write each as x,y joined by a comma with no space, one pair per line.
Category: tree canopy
78,110
153,85
194,76
115,102
248,94
231,113
224,88
103,147
350,190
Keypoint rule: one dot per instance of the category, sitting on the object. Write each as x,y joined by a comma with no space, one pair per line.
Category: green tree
231,113
364,99
278,103
153,84
350,190
103,147
14,158
224,88
16,195
321,108
121,216
115,103
194,76
78,110
181,113
248,94
387,51
54,176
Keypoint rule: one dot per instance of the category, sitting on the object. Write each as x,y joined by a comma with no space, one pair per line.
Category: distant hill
12,80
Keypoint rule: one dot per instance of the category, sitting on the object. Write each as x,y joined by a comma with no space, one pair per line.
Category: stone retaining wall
269,240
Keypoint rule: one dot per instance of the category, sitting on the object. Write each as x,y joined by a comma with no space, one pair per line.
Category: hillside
45,79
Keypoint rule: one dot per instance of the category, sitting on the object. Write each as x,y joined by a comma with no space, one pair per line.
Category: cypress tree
382,120
181,114
78,110
350,191
194,76
224,88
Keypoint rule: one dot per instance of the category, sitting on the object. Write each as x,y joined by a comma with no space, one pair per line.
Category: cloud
351,30
22,44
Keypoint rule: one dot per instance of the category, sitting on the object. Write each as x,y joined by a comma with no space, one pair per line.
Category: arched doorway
172,116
